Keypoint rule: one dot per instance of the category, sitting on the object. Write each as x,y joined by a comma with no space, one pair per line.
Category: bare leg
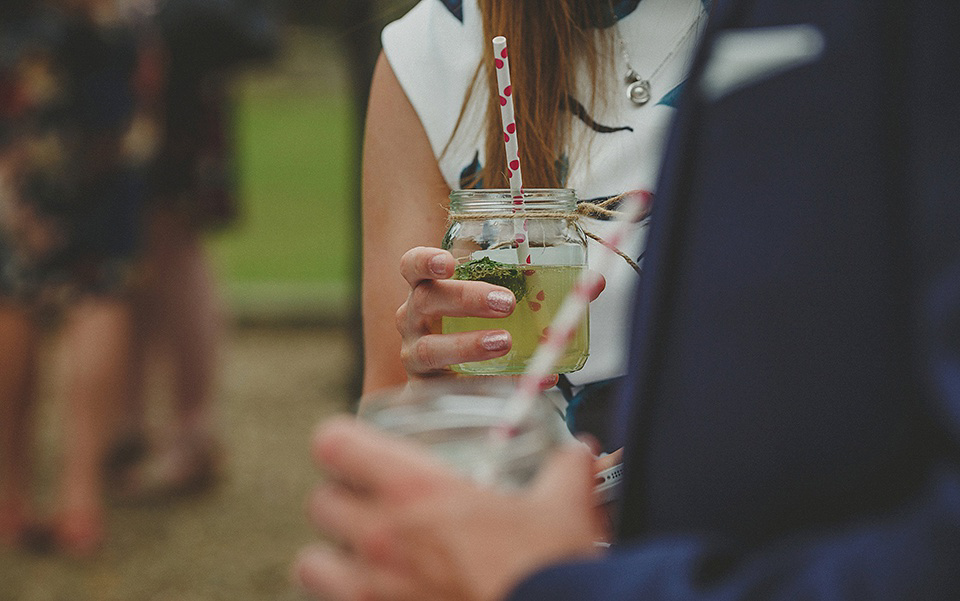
128,440
18,347
187,310
131,421
182,309
97,343
148,343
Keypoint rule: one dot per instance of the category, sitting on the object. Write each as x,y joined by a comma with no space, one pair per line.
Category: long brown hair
550,42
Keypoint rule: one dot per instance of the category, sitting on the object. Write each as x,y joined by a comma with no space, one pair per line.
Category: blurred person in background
77,95
178,315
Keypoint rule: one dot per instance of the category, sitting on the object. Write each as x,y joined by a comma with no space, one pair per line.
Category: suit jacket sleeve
912,554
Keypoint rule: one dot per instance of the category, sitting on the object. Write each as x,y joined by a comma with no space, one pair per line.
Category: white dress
434,51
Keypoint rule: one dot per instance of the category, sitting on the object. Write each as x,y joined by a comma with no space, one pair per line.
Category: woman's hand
424,351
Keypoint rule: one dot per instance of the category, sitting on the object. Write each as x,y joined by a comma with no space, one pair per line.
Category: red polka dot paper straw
558,335
561,330
509,126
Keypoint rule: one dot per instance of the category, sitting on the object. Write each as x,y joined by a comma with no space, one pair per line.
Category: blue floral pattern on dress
70,206
622,8
670,98
469,177
604,15
455,7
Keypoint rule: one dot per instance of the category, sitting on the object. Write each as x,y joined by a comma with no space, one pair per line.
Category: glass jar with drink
536,250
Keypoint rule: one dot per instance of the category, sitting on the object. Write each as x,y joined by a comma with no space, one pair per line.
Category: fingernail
548,382
438,265
500,301
496,342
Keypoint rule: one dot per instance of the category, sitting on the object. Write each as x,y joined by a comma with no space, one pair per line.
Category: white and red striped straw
508,122
558,336
635,205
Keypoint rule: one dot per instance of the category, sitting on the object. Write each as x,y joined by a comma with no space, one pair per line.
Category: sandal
18,529
78,533
75,534
181,469
126,451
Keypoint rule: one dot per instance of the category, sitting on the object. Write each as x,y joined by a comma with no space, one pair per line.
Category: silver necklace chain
638,88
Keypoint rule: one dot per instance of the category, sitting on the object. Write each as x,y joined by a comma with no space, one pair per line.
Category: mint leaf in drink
493,272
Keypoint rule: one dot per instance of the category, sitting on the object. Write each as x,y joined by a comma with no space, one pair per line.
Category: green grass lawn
297,182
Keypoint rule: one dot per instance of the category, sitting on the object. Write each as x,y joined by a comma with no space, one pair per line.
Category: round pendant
639,92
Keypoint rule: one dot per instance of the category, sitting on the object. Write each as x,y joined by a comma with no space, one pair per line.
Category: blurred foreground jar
485,226
472,425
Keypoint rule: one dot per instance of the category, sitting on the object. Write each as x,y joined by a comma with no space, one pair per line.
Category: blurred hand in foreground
406,527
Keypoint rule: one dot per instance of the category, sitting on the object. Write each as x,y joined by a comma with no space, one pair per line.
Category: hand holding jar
469,293
433,295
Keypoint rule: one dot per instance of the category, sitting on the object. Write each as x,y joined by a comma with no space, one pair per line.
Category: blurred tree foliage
359,22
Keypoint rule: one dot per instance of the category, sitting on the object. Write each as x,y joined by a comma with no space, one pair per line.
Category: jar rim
501,199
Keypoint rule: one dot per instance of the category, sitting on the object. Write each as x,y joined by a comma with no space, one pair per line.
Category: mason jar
535,249
462,422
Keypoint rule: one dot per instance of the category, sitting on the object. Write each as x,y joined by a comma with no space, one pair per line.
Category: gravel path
237,541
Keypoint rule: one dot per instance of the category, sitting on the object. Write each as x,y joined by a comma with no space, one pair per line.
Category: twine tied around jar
584,209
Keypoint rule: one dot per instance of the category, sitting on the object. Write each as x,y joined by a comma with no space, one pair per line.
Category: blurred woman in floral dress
77,99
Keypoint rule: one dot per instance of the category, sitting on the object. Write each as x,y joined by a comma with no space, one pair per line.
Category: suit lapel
653,299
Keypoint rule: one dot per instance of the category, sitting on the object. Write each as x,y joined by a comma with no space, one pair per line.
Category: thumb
568,473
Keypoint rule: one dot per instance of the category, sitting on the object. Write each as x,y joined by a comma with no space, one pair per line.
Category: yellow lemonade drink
540,291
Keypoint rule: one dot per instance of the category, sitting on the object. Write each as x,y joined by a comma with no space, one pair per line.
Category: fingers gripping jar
483,238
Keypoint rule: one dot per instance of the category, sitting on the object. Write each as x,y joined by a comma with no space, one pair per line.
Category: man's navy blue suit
793,414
